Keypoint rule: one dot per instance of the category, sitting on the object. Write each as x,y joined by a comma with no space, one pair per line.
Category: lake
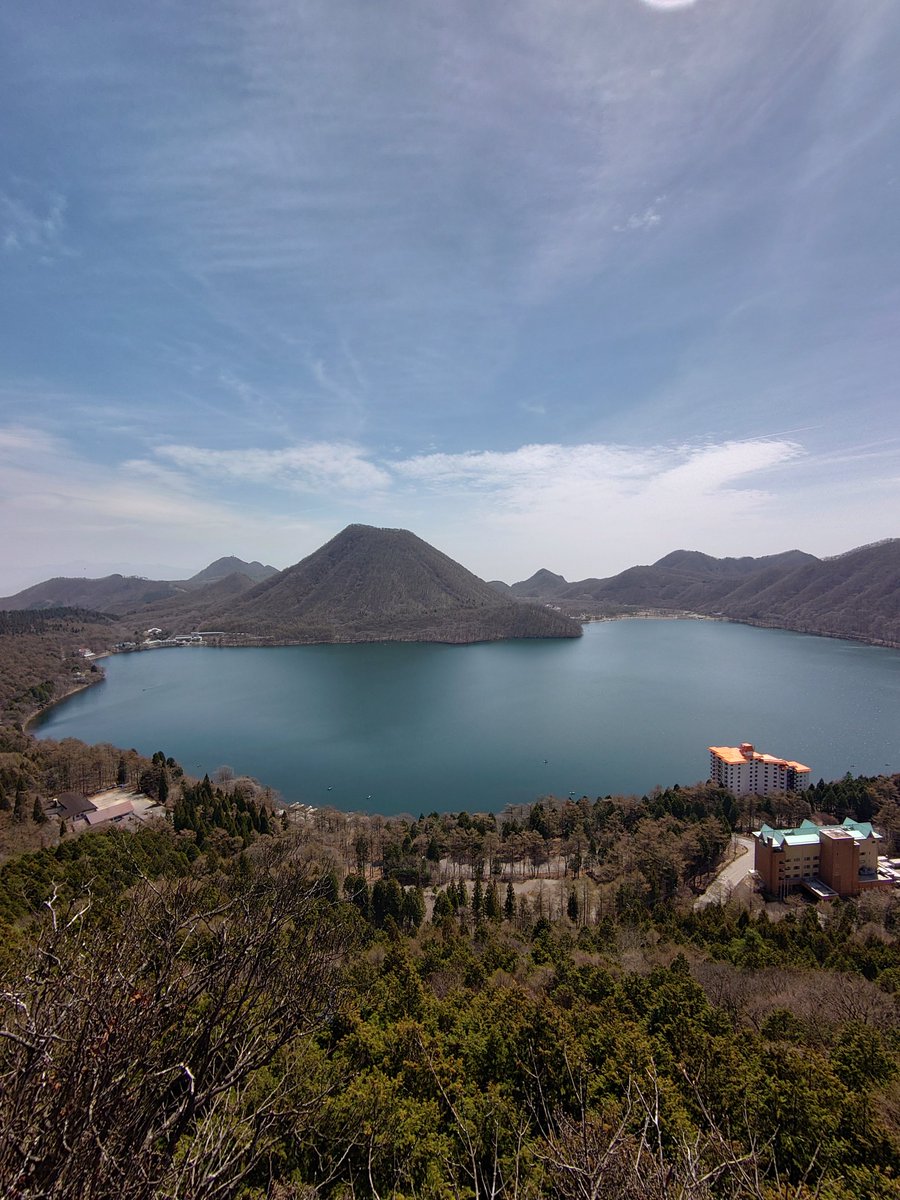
397,727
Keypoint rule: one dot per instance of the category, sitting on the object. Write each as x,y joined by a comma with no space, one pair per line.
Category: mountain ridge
854,595
117,593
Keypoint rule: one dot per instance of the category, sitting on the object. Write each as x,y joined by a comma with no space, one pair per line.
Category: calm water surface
415,728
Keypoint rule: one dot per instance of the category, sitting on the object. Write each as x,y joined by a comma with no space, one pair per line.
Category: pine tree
572,907
122,773
509,906
492,909
19,807
37,813
478,900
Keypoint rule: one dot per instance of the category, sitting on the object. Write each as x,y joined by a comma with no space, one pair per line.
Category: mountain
370,584
111,594
543,585
854,595
127,593
223,567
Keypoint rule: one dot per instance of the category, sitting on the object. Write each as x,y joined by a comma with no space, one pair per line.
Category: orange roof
729,754
735,757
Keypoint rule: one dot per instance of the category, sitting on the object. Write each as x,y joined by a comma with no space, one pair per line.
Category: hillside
538,1007
223,567
40,660
855,595
370,584
111,594
127,593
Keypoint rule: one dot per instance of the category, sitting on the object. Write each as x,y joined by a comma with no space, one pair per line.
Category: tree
37,812
572,907
19,806
121,772
357,892
509,905
478,899
492,909
157,1026
361,850
413,908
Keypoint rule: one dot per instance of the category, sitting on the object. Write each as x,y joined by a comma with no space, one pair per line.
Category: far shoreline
36,713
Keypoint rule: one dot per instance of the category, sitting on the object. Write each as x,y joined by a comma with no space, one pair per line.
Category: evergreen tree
572,907
492,909
509,906
4,799
443,907
122,773
329,886
478,899
37,812
357,892
19,809
413,907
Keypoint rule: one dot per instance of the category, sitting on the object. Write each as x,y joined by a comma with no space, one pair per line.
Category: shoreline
650,614
29,721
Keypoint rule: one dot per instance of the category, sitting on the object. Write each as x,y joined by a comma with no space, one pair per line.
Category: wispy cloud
54,505
311,467
32,224
592,508
631,235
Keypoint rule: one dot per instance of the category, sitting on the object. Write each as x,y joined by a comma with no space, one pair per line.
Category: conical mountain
370,584
223,567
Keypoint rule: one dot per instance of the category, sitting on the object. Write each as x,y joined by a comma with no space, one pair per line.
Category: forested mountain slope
370,584
127,593
855,595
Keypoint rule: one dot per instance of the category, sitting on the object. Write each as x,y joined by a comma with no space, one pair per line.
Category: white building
743,770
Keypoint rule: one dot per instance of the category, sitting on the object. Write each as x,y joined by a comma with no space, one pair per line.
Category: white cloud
35,225
669,5
649,218
310,467
56,505
536,470
589,509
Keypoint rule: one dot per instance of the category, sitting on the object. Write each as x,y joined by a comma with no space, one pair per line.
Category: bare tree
130,1041
590,1157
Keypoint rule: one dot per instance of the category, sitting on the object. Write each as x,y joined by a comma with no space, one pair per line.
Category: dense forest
239,1001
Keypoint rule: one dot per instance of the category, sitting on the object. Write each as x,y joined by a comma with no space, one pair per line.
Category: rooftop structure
744,770
825,860
112,812
73,804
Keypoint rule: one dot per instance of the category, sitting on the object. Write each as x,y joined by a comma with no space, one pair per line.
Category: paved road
730,875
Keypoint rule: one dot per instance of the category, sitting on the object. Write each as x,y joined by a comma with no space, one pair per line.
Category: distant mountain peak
230,565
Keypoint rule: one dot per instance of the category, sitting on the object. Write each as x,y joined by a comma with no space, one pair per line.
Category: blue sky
555,283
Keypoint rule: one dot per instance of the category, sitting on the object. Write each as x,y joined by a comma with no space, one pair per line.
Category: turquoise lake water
397,728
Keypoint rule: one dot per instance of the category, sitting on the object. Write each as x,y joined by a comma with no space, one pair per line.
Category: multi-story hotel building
744,771
826,860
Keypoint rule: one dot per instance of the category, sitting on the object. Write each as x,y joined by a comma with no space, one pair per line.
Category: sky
552,283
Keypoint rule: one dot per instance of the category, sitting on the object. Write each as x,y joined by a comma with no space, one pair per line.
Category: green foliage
202,809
